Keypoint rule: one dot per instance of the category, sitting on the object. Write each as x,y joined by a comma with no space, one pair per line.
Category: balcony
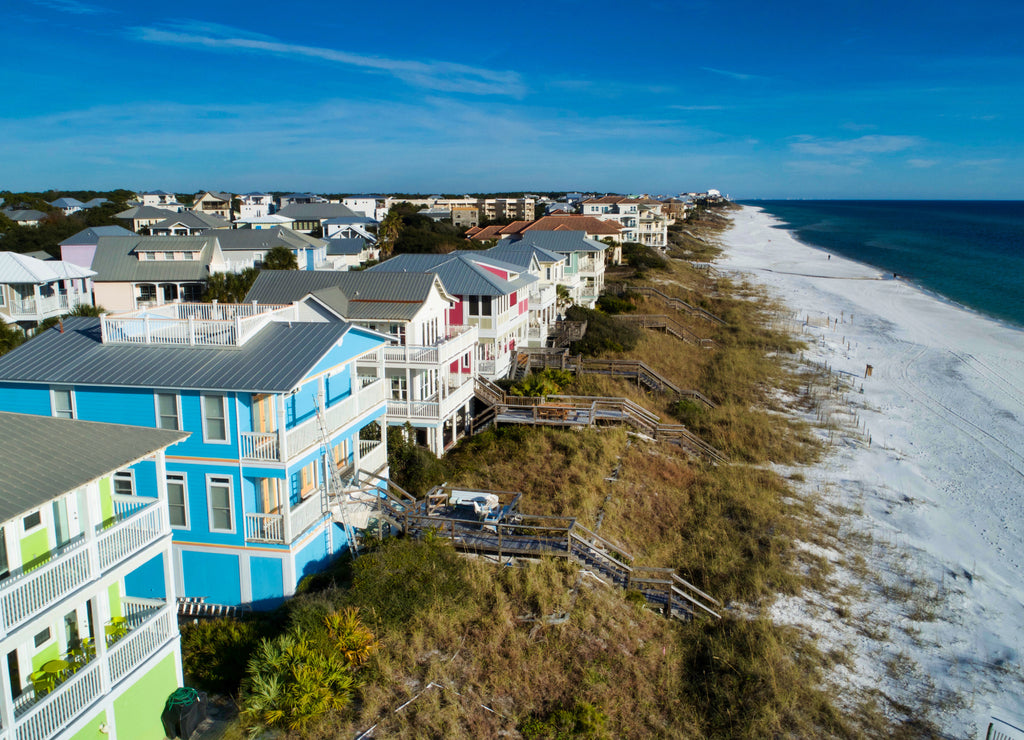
43,307
458,341
437,407
282,528
269,446
29,594
152,625
192,324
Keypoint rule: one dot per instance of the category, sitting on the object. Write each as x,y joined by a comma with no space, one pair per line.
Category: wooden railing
535,536
677,303
668,324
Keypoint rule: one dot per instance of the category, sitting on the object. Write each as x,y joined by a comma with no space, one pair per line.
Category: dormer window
168,256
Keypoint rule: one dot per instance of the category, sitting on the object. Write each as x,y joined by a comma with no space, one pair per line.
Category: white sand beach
940,489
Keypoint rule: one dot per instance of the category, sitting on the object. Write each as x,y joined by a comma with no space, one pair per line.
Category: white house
32,290
86,654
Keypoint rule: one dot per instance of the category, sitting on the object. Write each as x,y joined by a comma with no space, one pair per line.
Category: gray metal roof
116,258
337,247
362,295
67,203
24,214
316,211
521,253
459,271
146,212
258,239
194,220
274,361
93,233
562,241
44,457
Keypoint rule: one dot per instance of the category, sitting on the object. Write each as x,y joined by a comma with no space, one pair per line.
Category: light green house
83,658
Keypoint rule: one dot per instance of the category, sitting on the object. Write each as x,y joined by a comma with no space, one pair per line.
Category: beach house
429,363
87,654
266,397
493,296
33,290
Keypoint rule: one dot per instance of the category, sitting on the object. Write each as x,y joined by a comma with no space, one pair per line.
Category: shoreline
936,490
781,227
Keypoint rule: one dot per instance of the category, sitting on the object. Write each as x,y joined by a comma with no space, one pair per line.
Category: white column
6,694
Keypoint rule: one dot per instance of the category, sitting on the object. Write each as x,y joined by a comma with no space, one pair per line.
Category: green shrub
604,333
402,578
581,720
412,467
612,304
547,382
643,257
214,653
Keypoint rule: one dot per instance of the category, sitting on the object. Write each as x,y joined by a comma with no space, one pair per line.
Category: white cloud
743,76
71,6
922,164
433,75
862,145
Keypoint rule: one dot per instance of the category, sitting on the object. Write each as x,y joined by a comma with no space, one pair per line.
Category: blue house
266,398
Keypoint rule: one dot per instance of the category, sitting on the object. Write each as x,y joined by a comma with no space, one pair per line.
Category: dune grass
472,649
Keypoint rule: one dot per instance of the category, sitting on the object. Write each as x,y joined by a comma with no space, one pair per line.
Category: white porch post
6,695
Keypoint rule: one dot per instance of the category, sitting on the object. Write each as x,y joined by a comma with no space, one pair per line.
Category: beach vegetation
469,648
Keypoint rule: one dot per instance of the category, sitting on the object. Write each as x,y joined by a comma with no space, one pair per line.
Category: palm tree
280,258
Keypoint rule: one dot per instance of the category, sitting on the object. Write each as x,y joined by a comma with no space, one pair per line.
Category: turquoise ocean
969,252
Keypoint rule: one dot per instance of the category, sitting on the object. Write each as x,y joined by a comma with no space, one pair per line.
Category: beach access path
940,489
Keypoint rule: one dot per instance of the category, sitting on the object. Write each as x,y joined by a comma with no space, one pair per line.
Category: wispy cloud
983,163
922,164
851,126
743,76
875,144
697,107
75,7
432,75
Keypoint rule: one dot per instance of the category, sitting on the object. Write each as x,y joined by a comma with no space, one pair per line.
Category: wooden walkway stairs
677,303
644,375
668,325
526,536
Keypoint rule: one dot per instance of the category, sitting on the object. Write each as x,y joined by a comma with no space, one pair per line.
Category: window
188,255
177,502
147,292
124,483
399,388
42,637
485,305
32,521
63,403
168,412
218,489
307,478
169,256
215,419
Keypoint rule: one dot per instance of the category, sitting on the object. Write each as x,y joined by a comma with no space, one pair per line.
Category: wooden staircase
677,303
668,325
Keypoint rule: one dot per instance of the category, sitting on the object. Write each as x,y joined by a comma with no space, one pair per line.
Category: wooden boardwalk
515,535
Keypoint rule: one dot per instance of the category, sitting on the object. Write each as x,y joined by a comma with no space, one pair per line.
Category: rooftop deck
193,324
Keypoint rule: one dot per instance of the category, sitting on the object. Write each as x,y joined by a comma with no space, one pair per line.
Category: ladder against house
334,488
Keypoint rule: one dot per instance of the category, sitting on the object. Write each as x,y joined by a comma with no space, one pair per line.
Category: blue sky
811,99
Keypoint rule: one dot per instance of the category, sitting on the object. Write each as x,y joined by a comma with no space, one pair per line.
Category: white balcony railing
372,455
437,407
192,324
264,528
305,514
458,340
46,305
29,593
44,716
261,446
284,527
